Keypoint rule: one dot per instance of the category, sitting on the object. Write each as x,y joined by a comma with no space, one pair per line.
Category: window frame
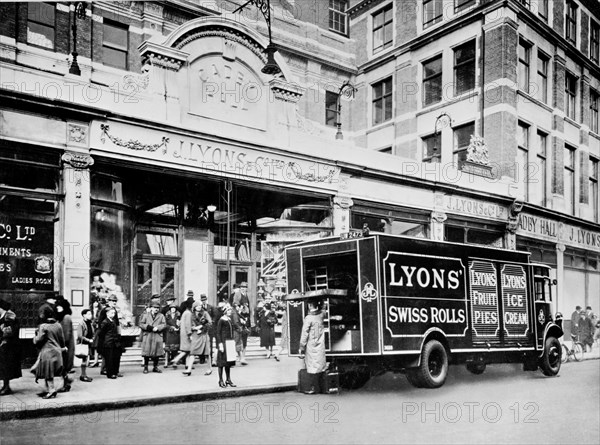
570,95
113,46
594,41
457,150
523,144
383,28
331,108
542,157
571,21
43,24
427,80
436,18
544,59
524,65
594,115
569,167
593,186
461,5
383,98
427,154
466,63
336,13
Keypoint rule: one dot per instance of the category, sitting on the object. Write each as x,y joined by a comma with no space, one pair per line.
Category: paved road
504,405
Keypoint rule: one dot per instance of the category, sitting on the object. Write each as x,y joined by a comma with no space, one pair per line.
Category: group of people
585,326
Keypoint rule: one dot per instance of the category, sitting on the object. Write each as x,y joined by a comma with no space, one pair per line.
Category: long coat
172,331
266,322
152,342
200,339
67,326
108,335
312,342
51,341
224,332
10,351
185,331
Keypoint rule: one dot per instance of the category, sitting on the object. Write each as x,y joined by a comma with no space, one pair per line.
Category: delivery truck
411,305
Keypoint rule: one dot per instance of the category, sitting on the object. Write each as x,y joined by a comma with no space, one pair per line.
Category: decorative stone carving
439,217
136,81
477,151
229,49
77,133
513,215
343,202
132,144
286,91
162,56
77,160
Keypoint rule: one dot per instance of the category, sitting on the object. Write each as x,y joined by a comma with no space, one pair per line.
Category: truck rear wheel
550,361
433,370
476,368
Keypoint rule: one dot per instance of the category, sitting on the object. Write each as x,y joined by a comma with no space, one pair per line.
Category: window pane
41,13
40,35
432,67
114,57
115,36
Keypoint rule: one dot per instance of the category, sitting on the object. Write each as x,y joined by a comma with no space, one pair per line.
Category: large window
338,19
540,179
432,12
522,167
331,110
594,187
542,70
570,95
571,21
382,101
462,139
594,99
524,62
569,178
388,220
432,81
594,41
115,42
464,67
40,24
383,29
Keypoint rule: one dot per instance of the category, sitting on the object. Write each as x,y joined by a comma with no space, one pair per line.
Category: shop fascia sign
215,158
554,231
475,207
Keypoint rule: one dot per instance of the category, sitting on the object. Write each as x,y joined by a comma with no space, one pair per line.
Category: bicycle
576,350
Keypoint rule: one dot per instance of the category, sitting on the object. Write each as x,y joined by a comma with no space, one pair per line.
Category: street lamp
348,89
79,13
264,6
443,120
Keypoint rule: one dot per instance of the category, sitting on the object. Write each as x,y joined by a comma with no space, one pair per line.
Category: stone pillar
437,225
212,271
341,214
560,277
76,217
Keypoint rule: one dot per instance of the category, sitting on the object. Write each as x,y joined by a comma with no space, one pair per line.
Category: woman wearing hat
50,340
63,316
185,332
200,345
267,319
10,352
152,324
223,333
171,333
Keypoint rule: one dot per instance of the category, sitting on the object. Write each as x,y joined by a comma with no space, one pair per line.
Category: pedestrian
575,323
48,308
243,319
267,320
185,331
190,297
199,347
586,331
85,338
10,351
226,345
49,338
214,314
152,324
96,308
171,333
110,343
63,316
283,342
312,344
111,303
170,301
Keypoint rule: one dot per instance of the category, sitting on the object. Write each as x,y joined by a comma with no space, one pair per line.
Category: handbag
82,350
230,350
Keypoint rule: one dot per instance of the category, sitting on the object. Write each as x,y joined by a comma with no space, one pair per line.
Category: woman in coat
267,320
153,324
109,342
50,340
200,342
312,343
63,316
10,351
284,335
185,332
223,333
172,317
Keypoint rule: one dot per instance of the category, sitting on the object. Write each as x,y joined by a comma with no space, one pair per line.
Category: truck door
543,302
369,294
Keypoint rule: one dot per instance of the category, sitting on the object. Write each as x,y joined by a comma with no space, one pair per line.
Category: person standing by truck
312,344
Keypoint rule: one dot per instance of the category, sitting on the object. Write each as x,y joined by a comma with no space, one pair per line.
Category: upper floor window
594,41
571,21
522,167
459,5
594,99
40,24
570,95
383,29
569,178
539,183
338,19
542,70
594,187
432,81
382,101
524,62
462,139
331,110
464,67
542,8
432,12
432,148
115,41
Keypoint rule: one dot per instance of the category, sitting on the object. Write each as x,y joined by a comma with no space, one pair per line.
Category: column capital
344,202
77,160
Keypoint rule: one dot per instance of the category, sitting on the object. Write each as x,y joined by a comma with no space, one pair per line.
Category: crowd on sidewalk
585,327
216,336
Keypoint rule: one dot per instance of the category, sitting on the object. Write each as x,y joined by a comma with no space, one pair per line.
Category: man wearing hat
10,351
189,300
170,302
152,324
48,308
214,314
154,299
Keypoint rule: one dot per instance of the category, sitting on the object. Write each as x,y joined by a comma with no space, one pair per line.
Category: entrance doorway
154,276
239,273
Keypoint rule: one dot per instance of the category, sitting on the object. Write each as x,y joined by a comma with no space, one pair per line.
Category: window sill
380,126
572,122
533,99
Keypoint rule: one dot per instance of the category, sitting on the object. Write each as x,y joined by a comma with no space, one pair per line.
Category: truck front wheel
550,361
433,370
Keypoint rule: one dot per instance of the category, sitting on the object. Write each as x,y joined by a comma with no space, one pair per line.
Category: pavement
260,376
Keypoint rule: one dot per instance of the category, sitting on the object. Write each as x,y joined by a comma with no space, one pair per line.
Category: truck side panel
368,295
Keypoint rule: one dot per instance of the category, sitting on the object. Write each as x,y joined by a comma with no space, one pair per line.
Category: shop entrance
239,274
153,276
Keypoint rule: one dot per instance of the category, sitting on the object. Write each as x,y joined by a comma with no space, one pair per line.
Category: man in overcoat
152,324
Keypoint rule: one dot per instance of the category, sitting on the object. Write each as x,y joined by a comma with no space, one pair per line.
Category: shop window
41,24
571,21
432,81
382,101
469,235
464,67
462,139
390,225
542,87
570,95
594,41
31,169
331,111
432,12
338,18
569,178
524,62
460,5
383,29
108,188
454,234
115,42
